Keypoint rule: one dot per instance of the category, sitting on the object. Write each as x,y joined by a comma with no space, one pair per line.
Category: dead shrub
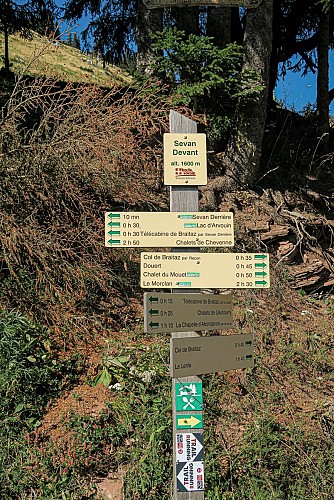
67,154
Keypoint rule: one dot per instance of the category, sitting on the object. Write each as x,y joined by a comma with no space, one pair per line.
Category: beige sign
185,159
204,270
169,229
178,312
157,4
197,355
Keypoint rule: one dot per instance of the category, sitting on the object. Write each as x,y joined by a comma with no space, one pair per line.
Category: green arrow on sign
260,265
114,216
260,257
248,342
183,283
153,299
248,356
260,274
154,325
114,224
188,421
118,233
153,312
260,283
114,242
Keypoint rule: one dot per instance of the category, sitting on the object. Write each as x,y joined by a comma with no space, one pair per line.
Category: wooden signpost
187,394
185,312
158,4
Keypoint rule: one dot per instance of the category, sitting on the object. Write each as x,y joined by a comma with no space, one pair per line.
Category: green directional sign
153,312
260,274
153,299
194,421
261,283
260,265
260,257
188,396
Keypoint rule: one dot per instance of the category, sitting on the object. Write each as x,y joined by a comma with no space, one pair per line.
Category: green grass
30,376
248,427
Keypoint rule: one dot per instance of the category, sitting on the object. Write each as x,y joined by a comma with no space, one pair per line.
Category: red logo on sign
182,172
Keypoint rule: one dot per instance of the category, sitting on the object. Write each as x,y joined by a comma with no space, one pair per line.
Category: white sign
185,160
189,447
190,476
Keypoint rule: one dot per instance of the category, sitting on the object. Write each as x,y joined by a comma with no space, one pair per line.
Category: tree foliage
112,25
204,76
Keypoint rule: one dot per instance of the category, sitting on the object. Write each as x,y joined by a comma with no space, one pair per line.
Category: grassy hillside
38,56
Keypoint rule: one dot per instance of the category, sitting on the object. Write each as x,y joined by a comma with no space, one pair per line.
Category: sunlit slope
39,56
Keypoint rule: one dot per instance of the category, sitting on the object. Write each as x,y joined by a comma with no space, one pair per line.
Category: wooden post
183,199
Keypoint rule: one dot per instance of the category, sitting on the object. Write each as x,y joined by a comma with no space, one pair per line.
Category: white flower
116,386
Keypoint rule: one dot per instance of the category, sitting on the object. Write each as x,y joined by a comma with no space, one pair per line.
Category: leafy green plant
30,375
204,76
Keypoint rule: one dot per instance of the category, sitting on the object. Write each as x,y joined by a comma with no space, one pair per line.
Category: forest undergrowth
85,395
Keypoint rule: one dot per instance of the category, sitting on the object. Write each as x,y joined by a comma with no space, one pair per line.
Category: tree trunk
187,20
6,41
242,158
219,25
148,21
276,42
322,77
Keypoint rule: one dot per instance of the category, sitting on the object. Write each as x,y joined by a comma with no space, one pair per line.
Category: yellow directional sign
204,270
185,159
169,229
189,421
